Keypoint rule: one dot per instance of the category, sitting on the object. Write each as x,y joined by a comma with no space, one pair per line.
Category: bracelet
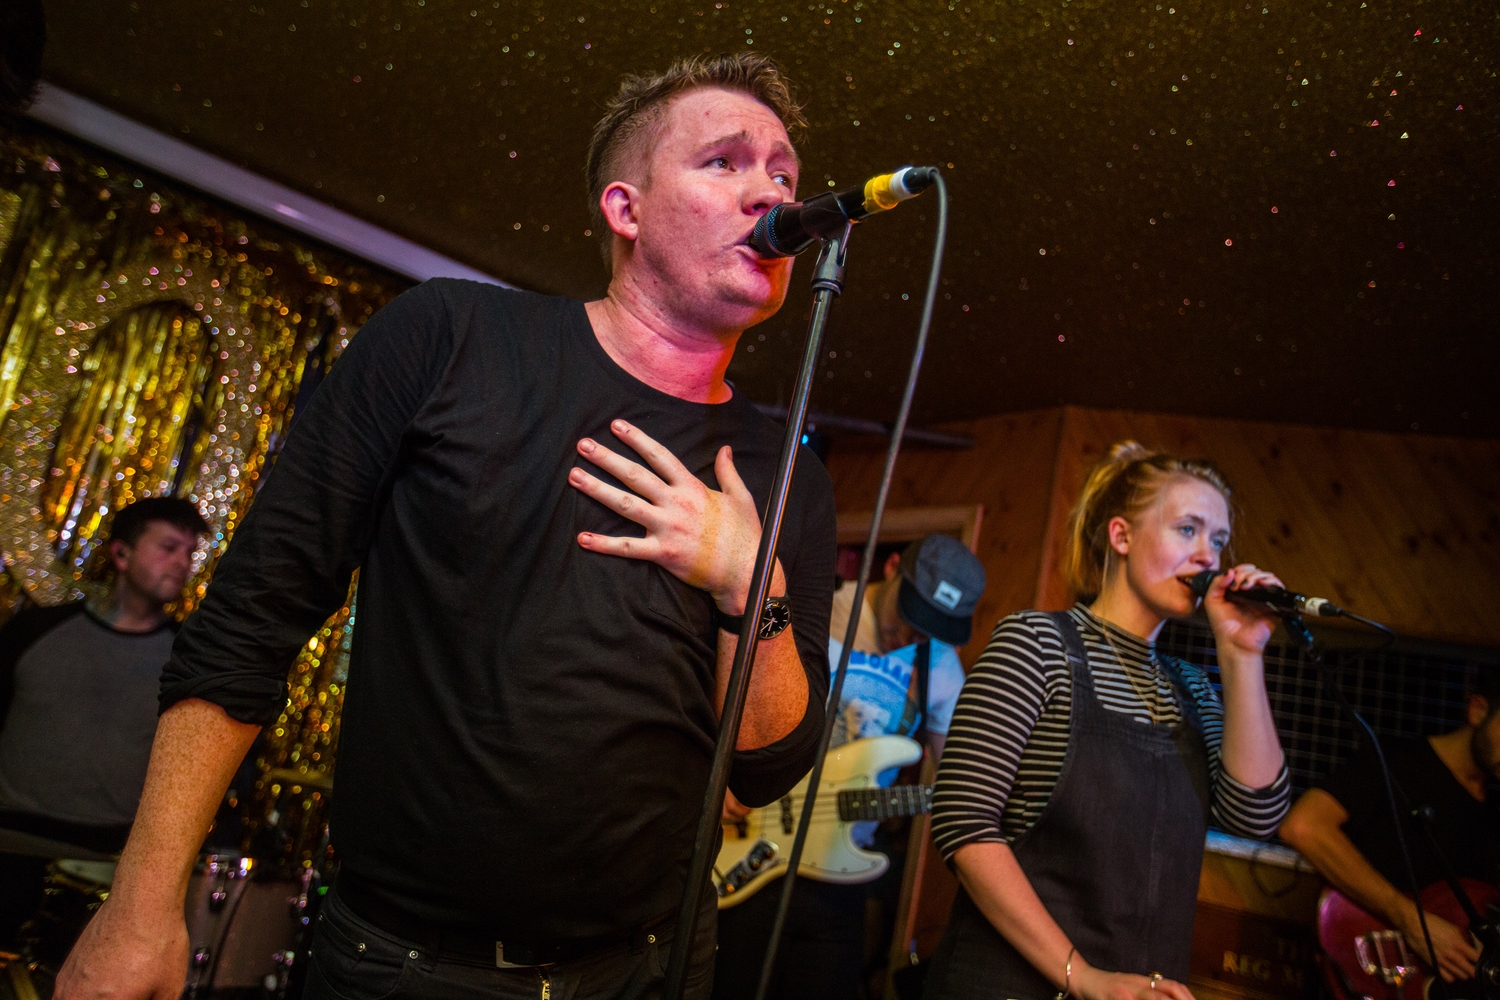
1067,989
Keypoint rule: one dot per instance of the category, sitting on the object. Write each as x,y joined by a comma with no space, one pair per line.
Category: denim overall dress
1115,855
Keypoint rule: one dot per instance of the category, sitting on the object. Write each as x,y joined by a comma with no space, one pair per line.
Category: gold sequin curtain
155,343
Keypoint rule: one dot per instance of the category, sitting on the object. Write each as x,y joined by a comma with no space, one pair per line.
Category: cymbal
292,776
32,846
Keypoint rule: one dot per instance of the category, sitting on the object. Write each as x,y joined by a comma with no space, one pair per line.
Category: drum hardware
31,845
219,872
307,779
276,982
97,872
250,922
246,924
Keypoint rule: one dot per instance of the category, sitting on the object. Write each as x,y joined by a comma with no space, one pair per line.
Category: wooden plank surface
1009,471
900,524
1403,528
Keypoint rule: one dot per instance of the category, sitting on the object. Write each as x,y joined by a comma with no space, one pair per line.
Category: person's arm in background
1315,827
286,571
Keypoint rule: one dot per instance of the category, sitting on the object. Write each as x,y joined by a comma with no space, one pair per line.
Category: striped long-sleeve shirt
1009,733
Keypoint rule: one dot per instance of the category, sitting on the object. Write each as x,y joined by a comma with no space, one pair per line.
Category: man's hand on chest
704,537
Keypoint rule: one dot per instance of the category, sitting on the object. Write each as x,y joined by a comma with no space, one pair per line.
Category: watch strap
734,624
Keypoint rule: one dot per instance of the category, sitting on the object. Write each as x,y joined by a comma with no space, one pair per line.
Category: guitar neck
884,803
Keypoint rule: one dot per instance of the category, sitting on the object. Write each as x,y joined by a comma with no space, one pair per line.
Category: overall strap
922,664
1172,667
1078,657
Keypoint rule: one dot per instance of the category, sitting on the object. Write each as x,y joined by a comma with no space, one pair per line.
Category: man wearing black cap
929,592
904,646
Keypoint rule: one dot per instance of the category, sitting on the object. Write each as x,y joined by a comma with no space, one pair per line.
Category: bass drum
244,924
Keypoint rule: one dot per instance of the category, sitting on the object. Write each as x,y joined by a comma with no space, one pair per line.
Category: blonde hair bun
1123,483
1128,451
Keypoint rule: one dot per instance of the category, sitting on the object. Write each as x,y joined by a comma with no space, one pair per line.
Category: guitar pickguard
754,850
763,856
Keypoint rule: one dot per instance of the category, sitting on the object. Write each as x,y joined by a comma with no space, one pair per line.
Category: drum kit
249,920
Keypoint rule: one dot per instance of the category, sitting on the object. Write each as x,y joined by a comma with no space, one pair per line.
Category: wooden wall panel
1009,470
1403,528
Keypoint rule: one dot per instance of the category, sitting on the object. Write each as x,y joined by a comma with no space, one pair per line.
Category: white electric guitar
756,850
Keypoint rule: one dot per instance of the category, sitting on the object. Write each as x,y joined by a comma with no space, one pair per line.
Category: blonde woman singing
1083,768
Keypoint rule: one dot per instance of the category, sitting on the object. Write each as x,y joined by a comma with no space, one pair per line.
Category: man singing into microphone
554,506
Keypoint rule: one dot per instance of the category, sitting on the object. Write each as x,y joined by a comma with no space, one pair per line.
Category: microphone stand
867,563
827,283
1302,637
1483,928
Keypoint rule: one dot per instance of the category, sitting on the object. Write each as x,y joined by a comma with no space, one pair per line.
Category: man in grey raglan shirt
78,697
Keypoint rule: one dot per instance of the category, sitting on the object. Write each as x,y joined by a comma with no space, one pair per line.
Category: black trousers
354,960
822,950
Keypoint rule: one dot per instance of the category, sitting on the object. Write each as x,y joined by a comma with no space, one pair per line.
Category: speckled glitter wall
153,344
1143,146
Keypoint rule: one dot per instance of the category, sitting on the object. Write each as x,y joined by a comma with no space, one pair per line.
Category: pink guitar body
1366,958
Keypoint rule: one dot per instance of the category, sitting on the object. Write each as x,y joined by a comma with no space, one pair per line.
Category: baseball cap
941,581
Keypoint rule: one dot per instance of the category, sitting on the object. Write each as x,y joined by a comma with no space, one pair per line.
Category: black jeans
354,960
821,952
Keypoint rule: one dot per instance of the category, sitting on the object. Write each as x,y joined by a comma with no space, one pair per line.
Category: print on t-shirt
875,695
877,700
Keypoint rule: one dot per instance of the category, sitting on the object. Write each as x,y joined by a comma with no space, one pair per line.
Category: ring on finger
1155,978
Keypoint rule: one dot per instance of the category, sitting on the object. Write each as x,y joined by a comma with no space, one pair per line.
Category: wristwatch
774,618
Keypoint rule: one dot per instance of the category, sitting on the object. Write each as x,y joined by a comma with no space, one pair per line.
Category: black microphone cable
1302,637
866,566
1330,683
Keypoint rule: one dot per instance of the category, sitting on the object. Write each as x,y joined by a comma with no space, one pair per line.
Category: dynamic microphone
1273,597
790,228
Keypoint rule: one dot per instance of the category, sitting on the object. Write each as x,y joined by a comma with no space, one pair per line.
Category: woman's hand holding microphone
1242,629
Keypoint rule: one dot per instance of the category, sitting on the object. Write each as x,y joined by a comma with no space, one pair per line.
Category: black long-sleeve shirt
528,726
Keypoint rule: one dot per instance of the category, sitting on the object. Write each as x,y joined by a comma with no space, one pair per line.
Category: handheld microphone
1273,597
790,228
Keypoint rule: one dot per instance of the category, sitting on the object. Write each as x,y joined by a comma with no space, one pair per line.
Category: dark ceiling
1269,210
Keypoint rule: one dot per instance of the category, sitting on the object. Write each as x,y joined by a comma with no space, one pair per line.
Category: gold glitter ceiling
1272,210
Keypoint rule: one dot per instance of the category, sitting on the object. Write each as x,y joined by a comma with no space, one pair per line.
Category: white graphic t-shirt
879,698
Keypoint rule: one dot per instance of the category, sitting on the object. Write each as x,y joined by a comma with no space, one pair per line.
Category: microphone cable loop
866,567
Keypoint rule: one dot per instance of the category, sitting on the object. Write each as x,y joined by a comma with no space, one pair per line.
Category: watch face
776,616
